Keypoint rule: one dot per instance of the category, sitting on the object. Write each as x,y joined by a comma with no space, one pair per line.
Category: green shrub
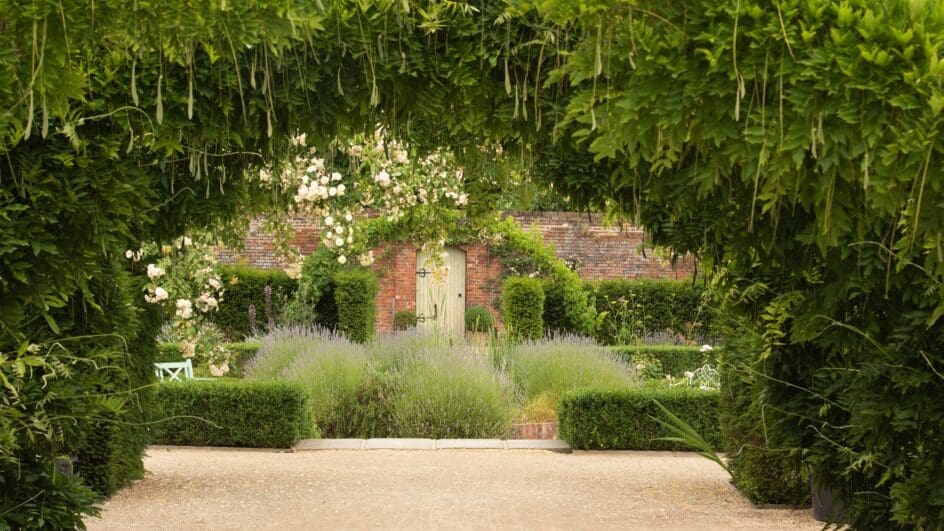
642,308
620,419
557,365
673,360
44,498
232,413
404,320
555,315
453,395
478,319
354,294
245,286
760,473
523,307
313,302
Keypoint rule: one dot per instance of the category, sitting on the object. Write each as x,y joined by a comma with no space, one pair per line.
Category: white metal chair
173,370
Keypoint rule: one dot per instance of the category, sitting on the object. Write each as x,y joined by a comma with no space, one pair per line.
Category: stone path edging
552,445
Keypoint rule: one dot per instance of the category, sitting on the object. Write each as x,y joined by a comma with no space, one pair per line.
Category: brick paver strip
400,444
553,445
470,444
329,444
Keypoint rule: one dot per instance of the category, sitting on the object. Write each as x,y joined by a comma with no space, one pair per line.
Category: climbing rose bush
184,280
370,175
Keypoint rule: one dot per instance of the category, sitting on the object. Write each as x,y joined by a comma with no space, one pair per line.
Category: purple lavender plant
270,319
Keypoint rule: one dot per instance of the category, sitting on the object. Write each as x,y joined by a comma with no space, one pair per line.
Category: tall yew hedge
793,146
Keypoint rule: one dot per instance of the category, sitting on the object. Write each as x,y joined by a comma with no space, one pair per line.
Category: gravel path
193,488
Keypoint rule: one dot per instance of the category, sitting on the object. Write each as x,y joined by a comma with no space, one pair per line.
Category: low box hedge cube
231,413
593,419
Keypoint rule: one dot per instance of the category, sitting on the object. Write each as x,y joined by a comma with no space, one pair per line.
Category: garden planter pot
477,339
827,507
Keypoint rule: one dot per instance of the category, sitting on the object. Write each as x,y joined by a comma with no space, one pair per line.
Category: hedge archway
794,146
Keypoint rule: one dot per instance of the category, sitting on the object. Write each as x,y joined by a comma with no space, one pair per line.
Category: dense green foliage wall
354,294
231,413
593,419
523,307
245,286
761,471
640,308
795,147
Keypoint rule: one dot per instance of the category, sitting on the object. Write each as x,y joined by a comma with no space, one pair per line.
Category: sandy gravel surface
456,489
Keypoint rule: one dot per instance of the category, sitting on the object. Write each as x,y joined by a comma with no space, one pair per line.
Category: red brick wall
598,251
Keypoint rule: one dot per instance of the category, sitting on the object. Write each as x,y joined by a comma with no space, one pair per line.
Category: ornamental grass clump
452,393
556,365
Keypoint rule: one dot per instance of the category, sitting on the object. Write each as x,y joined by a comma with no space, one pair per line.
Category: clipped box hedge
523,307
355,291
232,413
245,286
674,360
593,419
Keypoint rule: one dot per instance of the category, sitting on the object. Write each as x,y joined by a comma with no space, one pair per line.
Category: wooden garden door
440,299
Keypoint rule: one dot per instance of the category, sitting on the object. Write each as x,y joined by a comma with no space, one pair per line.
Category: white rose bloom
335,176
129,255
184,309
350,239
383,178
154,272
339,230
332,191
214,283
342,259
348,217
187,241
341,189
329,221
188,349
463,199
324,180
339,242
160,294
